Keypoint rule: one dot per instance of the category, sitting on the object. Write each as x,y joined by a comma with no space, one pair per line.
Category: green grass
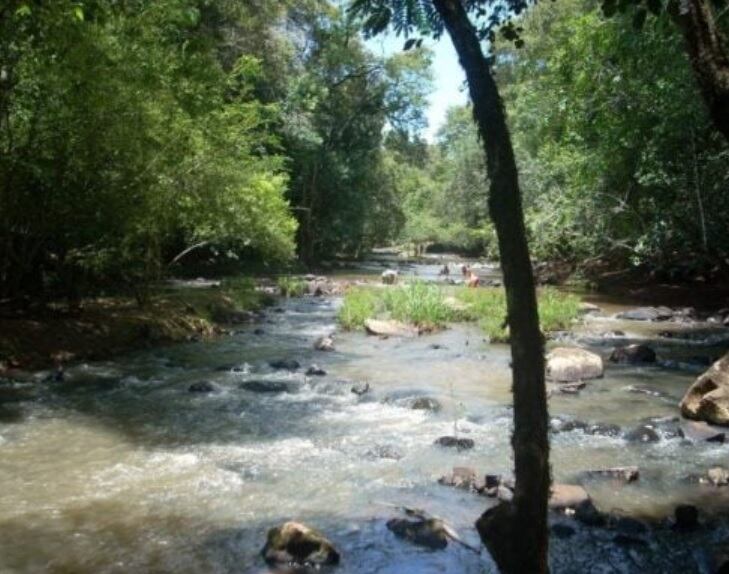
427,306
557,310
291,286
416,303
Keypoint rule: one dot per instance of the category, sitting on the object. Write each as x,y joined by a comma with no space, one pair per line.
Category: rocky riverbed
181,459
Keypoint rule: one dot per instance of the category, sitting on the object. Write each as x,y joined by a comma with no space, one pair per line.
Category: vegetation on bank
430,306
106,326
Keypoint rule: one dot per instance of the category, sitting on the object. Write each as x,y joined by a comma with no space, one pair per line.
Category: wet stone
633,354
315,371
285,364
265,386
462,477
604,429
643,434
625,474
430,533
426,404
455,442
201,387
297,544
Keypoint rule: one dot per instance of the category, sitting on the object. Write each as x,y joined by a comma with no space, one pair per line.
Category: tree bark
516,534
708,55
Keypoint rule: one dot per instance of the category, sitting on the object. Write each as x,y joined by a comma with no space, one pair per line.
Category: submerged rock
644,433
429,533
647,314
384,451
633,354
625,474
586,308
296,544
265,386
604,429
455,442
285,364
390,328
360,389
571,364
718,476
426,404
201,387
315,371
324,344
707,399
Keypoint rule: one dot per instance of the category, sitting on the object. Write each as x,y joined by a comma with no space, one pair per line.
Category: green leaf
23,10
78,12
409,43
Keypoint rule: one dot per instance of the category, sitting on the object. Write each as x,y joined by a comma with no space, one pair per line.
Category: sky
448,77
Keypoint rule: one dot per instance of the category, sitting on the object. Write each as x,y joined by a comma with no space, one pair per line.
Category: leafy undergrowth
429,306
107,326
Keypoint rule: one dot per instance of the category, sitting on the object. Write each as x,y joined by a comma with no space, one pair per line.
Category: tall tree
516,532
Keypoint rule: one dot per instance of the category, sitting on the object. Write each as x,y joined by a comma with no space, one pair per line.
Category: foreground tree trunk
516,534
709,60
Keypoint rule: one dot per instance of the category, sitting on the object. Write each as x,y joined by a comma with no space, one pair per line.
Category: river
121,469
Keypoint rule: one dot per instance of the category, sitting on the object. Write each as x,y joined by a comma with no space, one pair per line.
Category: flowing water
121,469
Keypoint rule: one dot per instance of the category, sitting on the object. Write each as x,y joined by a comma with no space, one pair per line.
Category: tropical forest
364,286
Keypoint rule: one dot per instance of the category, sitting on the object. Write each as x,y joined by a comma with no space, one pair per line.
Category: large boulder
389,328
296,544
707,399
324,344
570,364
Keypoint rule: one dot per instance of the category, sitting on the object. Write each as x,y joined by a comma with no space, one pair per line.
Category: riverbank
104,327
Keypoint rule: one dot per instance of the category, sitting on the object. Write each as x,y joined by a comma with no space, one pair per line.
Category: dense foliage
132,133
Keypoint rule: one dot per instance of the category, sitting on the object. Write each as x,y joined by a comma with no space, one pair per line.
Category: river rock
707,399
297,544
699,431
643,433
647,314
315,371
571,364
603,429
429,533
455,442
625,474
324,344
426,404
565,496
285,364
266,386
389,276
633,354
718,476
384,451
463,477
360,389
390,328
561,425
201,387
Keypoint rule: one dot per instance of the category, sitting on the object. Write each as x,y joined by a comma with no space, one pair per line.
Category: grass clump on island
429,306
291,286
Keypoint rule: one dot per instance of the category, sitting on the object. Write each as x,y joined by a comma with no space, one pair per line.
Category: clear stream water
121,469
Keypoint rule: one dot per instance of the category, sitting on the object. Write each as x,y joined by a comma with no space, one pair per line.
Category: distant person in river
465,270
473,280
445,270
